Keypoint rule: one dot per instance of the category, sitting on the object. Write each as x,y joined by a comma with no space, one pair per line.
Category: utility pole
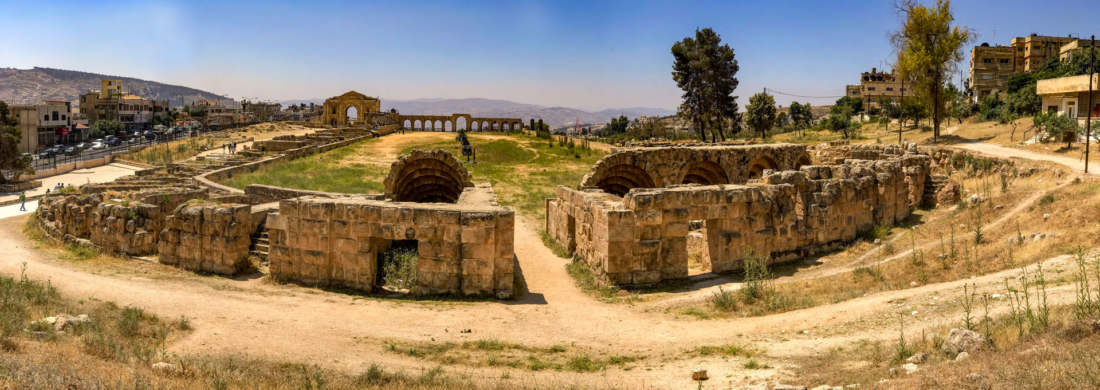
1088,122
900,99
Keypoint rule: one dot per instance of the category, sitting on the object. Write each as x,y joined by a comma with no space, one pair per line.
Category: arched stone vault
426,176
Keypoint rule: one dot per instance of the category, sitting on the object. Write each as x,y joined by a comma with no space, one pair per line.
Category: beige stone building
1069,96
876,88
111,103
1034,51
45,124
1074,47
990,67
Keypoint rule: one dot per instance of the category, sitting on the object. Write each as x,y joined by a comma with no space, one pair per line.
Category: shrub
723,300
399,269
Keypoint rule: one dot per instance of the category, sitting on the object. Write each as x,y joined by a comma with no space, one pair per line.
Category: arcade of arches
356,109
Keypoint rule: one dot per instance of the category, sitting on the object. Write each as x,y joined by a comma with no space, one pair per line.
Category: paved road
100,174
13,209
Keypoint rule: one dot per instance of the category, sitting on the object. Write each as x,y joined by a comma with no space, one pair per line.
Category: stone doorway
698,252
396,264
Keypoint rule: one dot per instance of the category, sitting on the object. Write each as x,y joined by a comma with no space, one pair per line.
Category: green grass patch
320,172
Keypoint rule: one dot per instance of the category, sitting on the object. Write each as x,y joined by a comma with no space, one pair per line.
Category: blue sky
585,54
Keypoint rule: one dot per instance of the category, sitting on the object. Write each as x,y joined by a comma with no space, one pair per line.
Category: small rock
700,375
893,371
165,368
997,296
878,241
975,198
973,377
962,340
852,386
962,356
913,284
788,387
917,358
1046,216
909,368
998,207
822,387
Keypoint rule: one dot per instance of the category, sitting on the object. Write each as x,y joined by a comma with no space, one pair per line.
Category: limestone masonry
631,231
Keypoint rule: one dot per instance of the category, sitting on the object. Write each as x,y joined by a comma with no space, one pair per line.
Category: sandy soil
287,322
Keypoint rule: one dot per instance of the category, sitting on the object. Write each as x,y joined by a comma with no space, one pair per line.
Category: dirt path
291,323
1078,165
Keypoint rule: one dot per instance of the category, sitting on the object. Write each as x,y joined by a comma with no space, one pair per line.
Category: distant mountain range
29,86
555,116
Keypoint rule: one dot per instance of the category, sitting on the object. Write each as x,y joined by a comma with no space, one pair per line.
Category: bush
399,269
723,300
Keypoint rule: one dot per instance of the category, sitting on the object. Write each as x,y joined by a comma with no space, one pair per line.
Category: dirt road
1078,165
288,322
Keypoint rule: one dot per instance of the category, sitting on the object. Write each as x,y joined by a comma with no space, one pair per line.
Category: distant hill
555,116
29,86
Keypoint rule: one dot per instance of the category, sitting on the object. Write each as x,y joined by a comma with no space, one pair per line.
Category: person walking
22,201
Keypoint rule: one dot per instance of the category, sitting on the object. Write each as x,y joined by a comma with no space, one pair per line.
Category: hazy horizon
591,56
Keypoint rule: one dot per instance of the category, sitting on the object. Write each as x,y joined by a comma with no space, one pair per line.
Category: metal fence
61,159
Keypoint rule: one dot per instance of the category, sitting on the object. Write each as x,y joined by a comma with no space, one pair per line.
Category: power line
777,92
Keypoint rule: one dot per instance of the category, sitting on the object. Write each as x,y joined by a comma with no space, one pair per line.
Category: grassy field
522,169
321,172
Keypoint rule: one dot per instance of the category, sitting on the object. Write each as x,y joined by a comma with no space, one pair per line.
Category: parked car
113,141
71,150
47,152
149,135
97,145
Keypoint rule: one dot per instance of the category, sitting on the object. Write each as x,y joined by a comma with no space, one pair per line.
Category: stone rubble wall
642,238
207,238
667,166
128,226
336,242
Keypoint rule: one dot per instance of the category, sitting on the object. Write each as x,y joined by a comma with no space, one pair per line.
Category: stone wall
127,223
642,238
207,238
656,167
462,249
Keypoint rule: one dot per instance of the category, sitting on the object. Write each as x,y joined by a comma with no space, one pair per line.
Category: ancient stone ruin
635,216
463,238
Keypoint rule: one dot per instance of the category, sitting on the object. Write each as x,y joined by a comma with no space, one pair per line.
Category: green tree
782,119
801,114
705,69
760,114
929,49
102,128
12,163
618,125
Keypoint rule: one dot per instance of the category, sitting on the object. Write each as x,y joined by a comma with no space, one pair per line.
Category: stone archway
462,124
433,176
336,109
705,173
759,164
621,178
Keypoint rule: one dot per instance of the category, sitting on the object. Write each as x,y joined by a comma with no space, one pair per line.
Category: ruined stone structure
462,237
335,110
464,245
207,238
432,176
368,112
457,122
642,237
655,167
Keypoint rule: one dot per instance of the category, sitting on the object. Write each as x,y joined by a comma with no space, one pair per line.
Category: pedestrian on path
22,201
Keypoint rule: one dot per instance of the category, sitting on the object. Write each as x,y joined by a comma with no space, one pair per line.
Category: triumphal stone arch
336,108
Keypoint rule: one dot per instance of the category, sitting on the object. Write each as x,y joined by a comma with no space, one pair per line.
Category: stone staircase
935,183
260,245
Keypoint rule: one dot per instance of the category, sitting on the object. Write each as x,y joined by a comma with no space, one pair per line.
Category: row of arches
461,124
621,178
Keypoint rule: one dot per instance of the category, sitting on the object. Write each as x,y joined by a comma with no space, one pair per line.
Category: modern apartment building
990,67
45,124
876,88
111,103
